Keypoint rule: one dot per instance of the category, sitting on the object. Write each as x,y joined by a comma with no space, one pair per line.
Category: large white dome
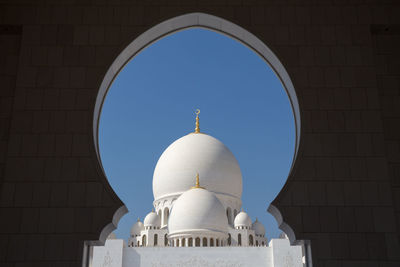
197,153
197,210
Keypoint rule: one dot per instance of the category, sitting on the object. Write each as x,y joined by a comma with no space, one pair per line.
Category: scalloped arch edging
222,26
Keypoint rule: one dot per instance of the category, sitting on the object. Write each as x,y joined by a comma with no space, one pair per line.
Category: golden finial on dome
138,220
197,129
197,182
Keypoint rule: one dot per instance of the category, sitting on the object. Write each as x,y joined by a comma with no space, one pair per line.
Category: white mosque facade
197,188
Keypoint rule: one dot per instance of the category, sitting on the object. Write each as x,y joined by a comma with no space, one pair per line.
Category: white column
162,217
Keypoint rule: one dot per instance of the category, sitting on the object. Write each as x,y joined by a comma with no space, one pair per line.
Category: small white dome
137,228
201,153
258,228
242,219
197,210
152,219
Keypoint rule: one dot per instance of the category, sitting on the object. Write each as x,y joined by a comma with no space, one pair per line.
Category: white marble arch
222,26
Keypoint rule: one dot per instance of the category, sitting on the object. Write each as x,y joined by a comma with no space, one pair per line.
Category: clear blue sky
152,102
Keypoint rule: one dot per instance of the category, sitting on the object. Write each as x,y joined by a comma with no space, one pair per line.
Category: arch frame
216,24
197,20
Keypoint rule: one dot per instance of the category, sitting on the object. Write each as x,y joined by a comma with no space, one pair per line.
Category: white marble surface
109,255
198,257
279,253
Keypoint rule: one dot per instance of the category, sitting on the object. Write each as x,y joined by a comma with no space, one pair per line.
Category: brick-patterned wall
386,43
342,195
10,39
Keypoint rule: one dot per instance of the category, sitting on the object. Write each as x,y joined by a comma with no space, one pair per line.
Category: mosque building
189,214
197,188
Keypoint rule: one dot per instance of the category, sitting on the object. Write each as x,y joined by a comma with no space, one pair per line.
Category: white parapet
109,255
278,253
198,256
283,254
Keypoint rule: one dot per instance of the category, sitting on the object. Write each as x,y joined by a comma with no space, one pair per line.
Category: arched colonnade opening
198,242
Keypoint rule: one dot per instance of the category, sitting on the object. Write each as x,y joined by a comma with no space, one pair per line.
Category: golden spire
197,129
197,182
138,220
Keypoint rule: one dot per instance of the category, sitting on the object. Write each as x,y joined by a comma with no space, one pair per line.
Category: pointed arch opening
155,240
144,241
166,240
229,215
